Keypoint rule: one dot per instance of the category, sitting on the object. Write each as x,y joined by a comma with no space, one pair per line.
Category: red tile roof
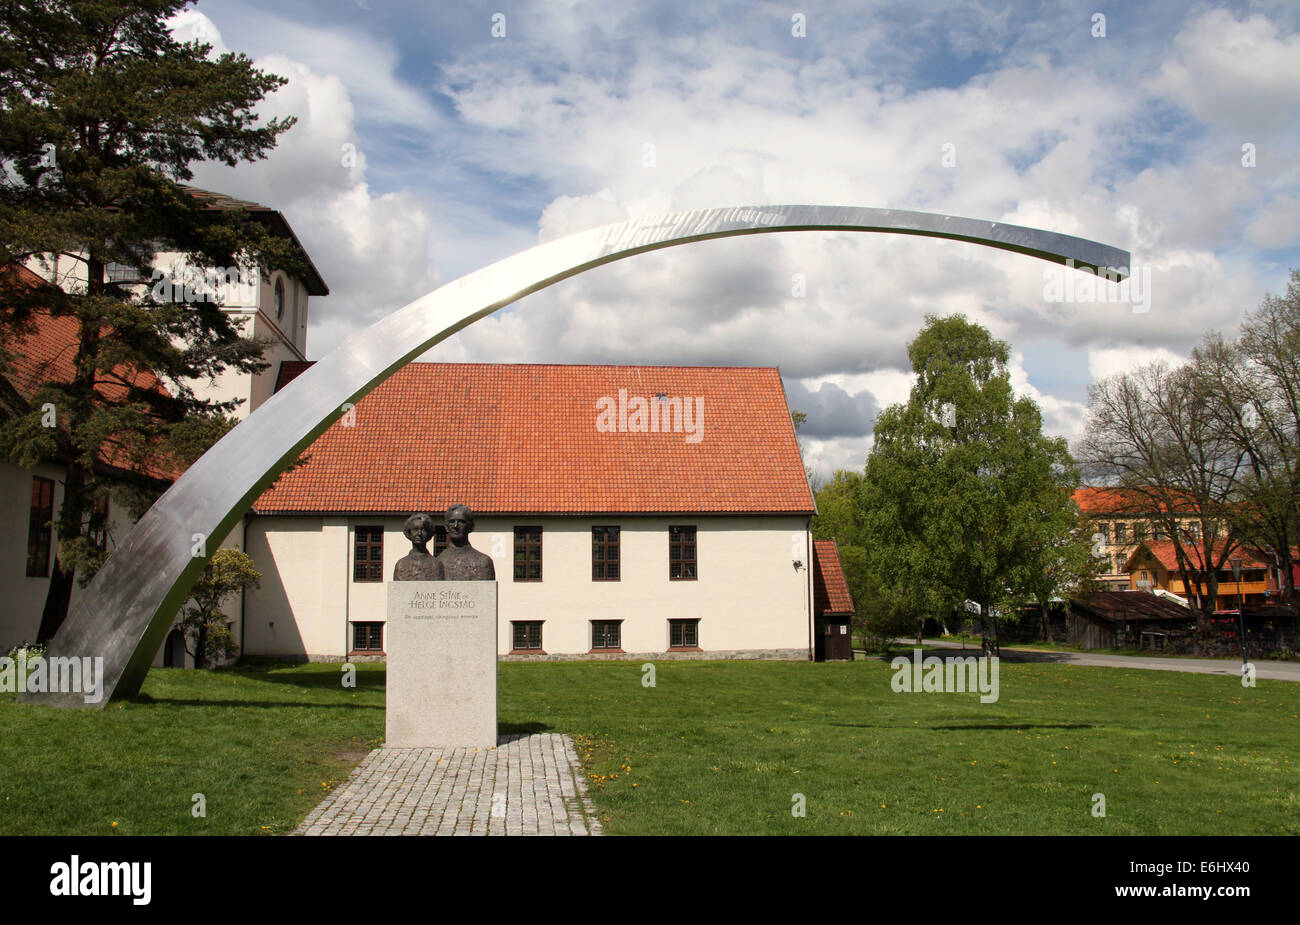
830,589
515,438
1120,501
1166,554
47,352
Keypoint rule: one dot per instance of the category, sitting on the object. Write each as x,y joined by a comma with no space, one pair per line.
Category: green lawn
715,747
262,747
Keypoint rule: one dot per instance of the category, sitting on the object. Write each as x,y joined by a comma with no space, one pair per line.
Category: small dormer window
279,299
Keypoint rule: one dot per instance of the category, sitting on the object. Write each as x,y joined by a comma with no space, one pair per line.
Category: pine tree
102,112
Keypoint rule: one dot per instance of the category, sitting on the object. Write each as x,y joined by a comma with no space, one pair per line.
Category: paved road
1276,671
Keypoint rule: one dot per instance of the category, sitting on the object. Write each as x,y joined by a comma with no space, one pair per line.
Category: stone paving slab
527,785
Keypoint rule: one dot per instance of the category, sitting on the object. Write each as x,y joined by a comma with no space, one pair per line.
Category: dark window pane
39,530
605,634
604,553
683,634
528,549
681,552
368,554
368,637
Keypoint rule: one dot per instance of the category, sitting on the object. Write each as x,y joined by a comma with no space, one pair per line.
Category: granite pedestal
442,664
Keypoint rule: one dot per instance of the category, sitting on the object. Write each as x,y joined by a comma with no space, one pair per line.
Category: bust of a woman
418,564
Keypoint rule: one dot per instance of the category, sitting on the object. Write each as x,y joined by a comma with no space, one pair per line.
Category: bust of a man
460,561
418,564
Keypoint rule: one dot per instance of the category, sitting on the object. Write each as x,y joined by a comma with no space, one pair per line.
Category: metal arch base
124,614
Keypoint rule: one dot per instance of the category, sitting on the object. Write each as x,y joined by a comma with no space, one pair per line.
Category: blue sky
470,147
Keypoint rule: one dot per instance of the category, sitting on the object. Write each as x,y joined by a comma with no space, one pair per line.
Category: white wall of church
748,596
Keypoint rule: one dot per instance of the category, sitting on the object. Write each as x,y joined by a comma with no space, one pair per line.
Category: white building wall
292,604
285,336
24,597
285,339
749,598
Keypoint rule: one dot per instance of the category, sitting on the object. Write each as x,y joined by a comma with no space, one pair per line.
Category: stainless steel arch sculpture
127,610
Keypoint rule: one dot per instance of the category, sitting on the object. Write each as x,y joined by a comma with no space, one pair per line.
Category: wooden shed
832,605
1119,619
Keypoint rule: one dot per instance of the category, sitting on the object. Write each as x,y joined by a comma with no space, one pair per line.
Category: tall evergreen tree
101,113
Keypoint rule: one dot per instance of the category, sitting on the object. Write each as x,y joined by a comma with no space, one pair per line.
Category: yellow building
1155,565
1117,532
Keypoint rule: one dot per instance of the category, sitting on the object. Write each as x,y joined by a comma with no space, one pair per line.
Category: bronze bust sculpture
418,564
460,561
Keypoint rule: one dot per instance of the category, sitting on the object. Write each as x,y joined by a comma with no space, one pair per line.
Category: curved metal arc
125,613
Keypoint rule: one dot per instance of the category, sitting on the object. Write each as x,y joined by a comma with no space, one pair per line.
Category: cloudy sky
433,139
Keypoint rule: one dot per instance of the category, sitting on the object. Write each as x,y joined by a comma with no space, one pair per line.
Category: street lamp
1241,615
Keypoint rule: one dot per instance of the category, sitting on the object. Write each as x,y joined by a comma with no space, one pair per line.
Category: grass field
714,747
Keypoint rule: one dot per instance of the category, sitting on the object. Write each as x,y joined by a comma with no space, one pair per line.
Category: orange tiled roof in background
1119,502
515,438
1166,554
830,588
48,353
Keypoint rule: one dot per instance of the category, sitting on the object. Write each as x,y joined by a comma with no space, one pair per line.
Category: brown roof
1132,605
515,438
830,589
274,219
